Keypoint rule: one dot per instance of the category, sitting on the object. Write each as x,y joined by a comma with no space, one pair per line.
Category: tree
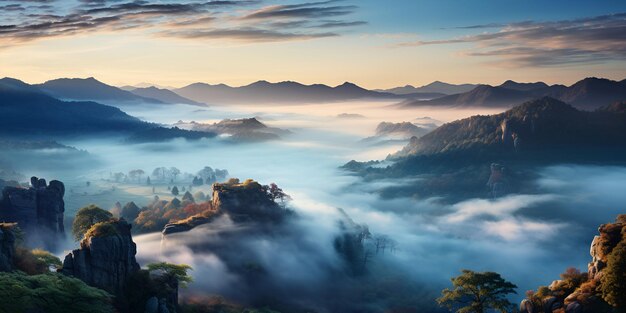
477,292
130,211
159,172
177,271
136,174
174,172
206,173
148,182
118,176
613,279
277,193
175,191
87,217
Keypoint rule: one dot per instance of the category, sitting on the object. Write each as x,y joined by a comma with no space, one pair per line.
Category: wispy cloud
529,43
243,20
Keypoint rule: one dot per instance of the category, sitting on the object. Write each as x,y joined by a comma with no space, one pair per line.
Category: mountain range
285,92
28,111
588,94
163,95
435,87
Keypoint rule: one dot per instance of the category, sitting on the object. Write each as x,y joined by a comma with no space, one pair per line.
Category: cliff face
7,247
599,290
105,259
38,210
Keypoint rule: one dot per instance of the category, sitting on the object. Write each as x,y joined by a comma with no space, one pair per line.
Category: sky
373,43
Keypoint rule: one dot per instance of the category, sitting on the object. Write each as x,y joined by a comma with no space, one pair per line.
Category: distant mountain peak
349,85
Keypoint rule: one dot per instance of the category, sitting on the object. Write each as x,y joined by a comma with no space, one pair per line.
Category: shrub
102,229
50,293
613,280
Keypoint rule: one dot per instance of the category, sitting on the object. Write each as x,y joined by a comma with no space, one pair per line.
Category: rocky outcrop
579,292
243,202
37,210
106,258
248,201
7,247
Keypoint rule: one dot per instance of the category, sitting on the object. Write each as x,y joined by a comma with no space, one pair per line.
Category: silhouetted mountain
90,89
592,93
481,96
283,92
509,84
435,88
26,111
587,94
246,129
163,95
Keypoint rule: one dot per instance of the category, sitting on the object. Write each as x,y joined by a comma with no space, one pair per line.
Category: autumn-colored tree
477,292
87,217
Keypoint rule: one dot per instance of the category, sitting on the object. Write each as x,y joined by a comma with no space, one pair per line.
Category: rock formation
37,210
246,201
243,202
7,247
106,258
579,292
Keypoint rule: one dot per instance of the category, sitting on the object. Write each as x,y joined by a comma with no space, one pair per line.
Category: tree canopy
178,271
477,292
87,217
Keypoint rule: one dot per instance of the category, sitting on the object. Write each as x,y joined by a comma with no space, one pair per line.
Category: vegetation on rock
86,218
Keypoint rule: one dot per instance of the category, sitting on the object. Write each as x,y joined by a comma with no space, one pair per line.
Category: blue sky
371,42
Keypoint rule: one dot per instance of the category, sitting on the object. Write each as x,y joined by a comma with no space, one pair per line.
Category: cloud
309,10
235,20
466,210
246,34
552,43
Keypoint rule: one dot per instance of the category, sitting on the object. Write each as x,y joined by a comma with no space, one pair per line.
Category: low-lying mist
529,239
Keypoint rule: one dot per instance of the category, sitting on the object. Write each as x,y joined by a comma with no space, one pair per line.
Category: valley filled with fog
525,237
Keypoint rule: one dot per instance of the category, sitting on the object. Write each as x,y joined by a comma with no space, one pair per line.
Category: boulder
551,303
574,307
526,306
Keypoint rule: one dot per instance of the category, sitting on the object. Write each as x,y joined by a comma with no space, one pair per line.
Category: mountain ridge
589,93
90,89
